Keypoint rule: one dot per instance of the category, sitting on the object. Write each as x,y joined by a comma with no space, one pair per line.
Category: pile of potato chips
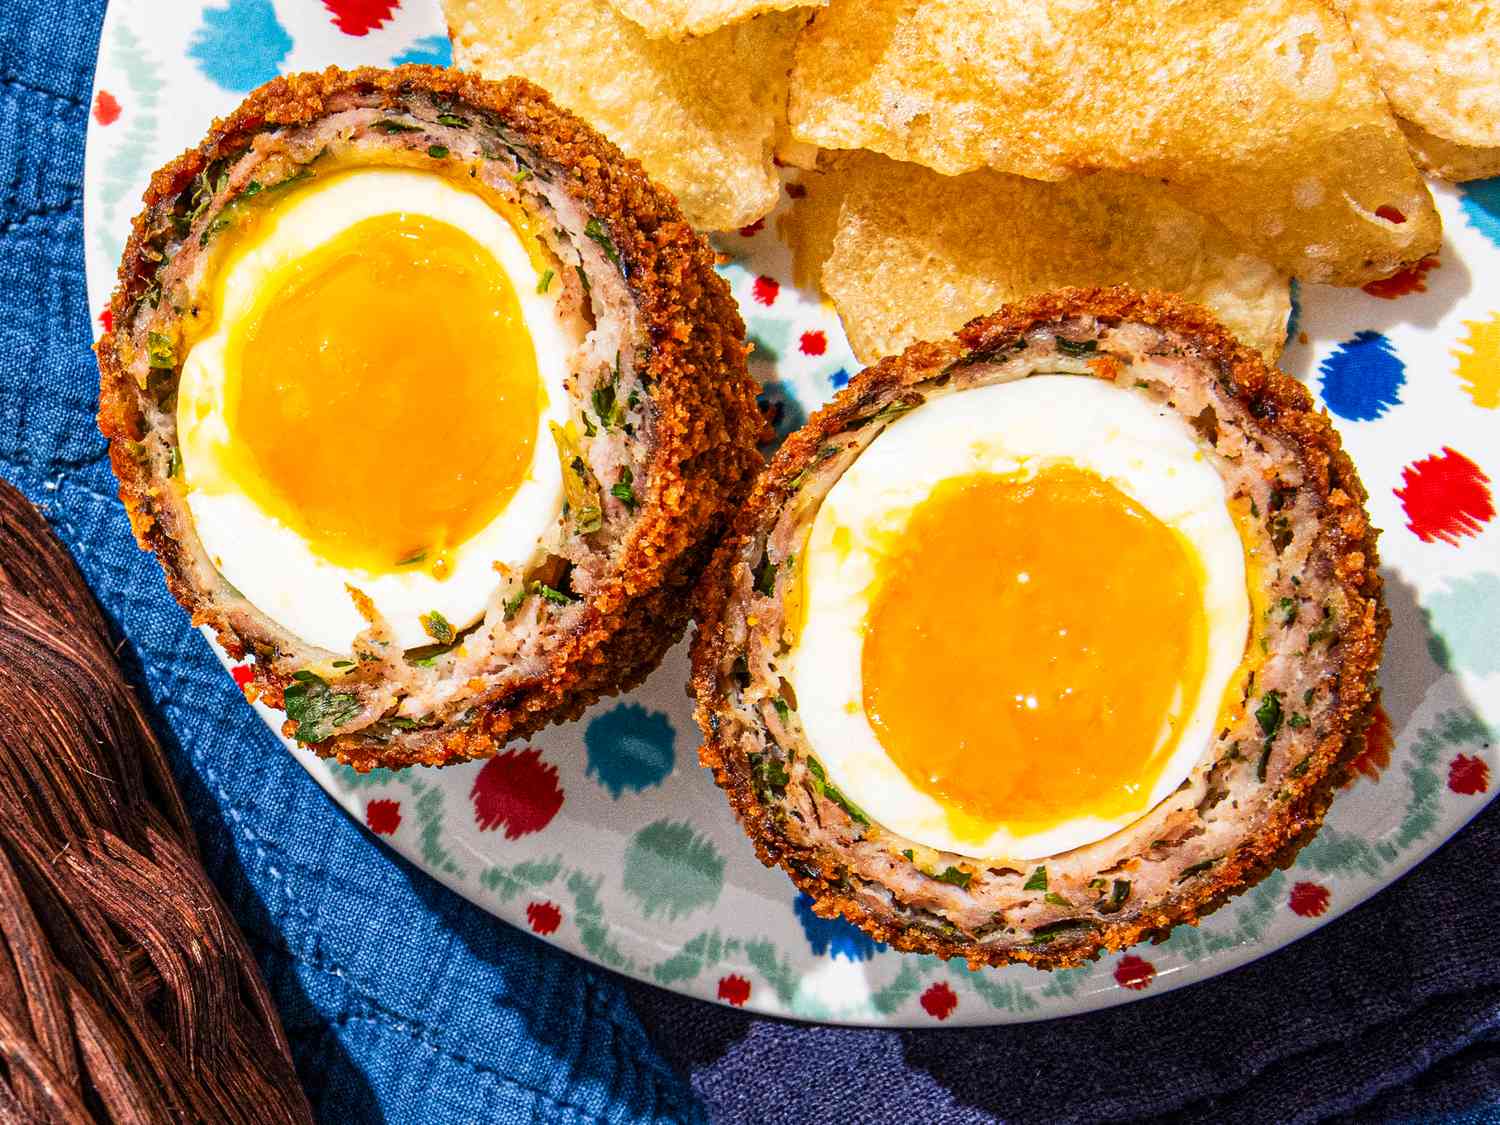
962,153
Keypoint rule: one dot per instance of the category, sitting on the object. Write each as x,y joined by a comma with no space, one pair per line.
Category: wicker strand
127,994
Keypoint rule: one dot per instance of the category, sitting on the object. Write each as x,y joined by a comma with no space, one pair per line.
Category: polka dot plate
604,836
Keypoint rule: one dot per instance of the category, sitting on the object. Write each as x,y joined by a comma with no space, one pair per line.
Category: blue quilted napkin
405,1003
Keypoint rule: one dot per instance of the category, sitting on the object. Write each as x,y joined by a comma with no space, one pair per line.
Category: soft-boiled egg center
368,405
1023,607
1051,584
329,375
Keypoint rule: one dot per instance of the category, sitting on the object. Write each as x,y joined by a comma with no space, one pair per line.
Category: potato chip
677,19
916,254
1258,112
1447,160
700,115
1438,62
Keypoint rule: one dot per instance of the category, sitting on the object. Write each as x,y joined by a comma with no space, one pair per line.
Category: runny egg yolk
1029,647
382,398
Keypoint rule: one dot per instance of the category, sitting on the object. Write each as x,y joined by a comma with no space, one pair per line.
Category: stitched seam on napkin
12,82
377,1013
36,213
416,1031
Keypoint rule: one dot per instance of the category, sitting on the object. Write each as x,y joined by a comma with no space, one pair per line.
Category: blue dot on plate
1481,205
630,747
839,378
1363,377
240,44
434,50
834,936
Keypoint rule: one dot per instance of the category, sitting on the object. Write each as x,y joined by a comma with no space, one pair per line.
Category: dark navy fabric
405,1004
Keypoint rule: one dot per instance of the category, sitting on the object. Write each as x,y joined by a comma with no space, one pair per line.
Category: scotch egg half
1021,609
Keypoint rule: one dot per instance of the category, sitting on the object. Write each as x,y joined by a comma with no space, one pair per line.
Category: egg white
1143,448
270,563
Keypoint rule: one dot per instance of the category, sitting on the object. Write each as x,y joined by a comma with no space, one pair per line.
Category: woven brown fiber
127,994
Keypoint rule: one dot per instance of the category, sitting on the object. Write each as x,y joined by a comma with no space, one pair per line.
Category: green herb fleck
1297,722
413,558
316,710
436,626
453,119
622,491
1300,768
1037,882
161,353
1287,607
1268,714
513,603
1043,934
1056,899
176,467
548,594
595,230
765,578
437,152
544,281
251,189
390,125
343,664
959,878
834,793
822,455
907,852
1077,347
580,486
769,776
606,405
1196,869
782,708
1118,894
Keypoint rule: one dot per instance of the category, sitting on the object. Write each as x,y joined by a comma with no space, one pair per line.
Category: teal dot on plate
630,747
670,869
240,44
1463,621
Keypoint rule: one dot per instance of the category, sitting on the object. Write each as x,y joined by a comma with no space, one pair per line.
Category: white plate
606,838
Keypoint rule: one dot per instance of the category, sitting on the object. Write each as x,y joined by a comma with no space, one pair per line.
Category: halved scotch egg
428,401
1039,641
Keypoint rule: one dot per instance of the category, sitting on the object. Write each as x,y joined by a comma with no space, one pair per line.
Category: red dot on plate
360,17
765,290
1445,496
242,674
939,1001
106,108
734,989
543,917
516,791
107,320
1468,775
1309,899
1134,973
383,816
814,343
